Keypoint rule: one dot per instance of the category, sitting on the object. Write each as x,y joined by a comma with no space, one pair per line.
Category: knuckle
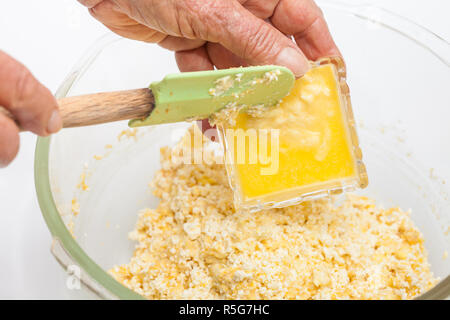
302,14
30,102
312,23
260,43
25,86
192,18
209,18
100,9
222,14
262,9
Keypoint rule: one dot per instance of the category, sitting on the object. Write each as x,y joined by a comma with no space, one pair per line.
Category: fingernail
55,122
294,60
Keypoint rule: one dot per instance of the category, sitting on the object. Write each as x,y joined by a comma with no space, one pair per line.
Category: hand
223,33
28,101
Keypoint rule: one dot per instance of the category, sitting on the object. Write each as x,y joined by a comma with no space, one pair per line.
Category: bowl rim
52,217
438,46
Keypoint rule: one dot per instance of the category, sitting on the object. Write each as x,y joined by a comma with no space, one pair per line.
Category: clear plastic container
349,175
398,73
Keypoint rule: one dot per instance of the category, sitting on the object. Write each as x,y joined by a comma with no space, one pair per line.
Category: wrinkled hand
30,102
223,33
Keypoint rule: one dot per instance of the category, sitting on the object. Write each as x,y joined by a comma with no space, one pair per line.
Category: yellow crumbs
195,246
314,145
75,208
82,185
129,133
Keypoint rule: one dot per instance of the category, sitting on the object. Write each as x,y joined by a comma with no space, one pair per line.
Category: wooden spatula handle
102,107
106,107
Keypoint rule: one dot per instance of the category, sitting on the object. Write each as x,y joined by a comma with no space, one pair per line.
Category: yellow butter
314,150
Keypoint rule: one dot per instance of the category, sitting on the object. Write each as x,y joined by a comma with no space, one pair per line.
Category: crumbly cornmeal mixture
195,246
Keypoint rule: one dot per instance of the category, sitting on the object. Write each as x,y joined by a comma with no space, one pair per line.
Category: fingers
226,22
31,103
223,58
208,131
251,38
237,25
304,20
262,9
193,60
180,44
118,22
9,140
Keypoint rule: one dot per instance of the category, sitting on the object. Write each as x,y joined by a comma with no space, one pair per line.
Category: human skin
203,33
223,33
32,104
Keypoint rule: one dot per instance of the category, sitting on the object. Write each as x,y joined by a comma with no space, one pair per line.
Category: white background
49,36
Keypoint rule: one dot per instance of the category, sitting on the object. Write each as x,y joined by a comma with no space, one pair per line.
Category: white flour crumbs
195,246
222,85
227,115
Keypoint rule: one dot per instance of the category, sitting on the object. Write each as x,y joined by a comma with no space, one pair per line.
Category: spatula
179,97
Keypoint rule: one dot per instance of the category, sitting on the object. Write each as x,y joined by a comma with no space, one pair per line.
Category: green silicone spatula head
197,95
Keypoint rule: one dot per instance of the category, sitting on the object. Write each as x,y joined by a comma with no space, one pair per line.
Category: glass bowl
398,73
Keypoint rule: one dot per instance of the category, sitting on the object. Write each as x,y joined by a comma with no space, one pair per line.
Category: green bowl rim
59,230
55,223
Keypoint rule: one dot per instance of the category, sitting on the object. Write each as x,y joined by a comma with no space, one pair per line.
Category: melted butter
314,145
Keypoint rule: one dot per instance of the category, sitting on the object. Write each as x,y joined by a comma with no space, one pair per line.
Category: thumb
32,105
251,38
